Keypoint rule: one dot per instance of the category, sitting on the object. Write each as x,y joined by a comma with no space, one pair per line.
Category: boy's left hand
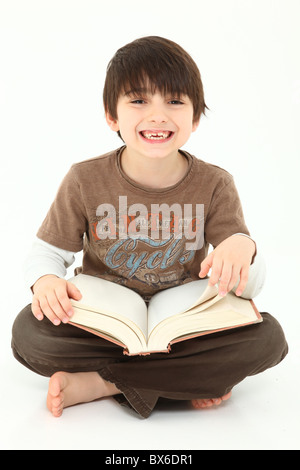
229,262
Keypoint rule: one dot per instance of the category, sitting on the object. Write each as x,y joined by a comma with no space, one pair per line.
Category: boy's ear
113,123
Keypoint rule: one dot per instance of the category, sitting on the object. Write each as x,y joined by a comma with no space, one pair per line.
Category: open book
120,315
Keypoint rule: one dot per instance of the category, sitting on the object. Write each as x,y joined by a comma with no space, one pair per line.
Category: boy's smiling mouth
156,135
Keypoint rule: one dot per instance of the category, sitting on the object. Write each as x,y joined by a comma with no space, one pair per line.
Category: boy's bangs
143,82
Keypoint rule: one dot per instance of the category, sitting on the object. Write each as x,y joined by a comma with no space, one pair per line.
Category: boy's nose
157,114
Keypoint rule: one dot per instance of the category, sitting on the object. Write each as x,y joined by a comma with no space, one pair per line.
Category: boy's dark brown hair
161,63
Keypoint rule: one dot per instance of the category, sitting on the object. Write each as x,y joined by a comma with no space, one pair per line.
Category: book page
109,328
112,299
178,299
227,312
242,306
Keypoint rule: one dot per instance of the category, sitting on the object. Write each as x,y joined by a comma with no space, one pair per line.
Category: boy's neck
154,173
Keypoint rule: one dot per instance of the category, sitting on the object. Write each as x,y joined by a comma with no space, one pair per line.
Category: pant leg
205,367
46,349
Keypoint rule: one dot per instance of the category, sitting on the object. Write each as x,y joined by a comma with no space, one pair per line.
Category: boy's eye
141,101
175,102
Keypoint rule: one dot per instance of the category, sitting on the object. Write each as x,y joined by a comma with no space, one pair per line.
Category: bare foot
206,402
67,389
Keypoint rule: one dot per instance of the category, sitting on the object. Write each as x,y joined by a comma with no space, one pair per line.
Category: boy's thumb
73,292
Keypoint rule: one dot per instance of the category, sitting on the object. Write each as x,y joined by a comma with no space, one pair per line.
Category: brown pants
205,367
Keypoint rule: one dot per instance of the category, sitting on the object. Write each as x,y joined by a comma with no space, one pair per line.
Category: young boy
153,98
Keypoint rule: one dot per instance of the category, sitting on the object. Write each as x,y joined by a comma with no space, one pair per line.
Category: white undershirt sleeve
43,259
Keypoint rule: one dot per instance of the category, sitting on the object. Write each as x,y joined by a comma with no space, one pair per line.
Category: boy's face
153,125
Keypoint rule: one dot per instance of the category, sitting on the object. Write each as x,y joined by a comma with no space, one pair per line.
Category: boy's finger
56,307
235,276
48,312
35,308
243,281
64,300
73,291
225,279
216,271
206,265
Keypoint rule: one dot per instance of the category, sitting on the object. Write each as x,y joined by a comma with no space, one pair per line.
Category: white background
53,61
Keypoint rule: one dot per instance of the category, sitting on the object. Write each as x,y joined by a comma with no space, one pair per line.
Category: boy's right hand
51,298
